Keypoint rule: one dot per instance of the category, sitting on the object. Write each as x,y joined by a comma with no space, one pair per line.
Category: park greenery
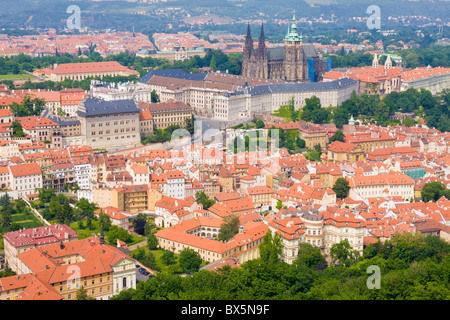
341,187
412,266
202,198
434,109
433,191
15,215
229,227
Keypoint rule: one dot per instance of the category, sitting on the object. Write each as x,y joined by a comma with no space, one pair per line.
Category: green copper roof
292,35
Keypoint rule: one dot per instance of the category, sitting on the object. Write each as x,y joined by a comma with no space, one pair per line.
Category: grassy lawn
15,77
86,233
26,220
158,254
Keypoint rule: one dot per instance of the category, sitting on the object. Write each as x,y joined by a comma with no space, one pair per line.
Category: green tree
341,187
6,219
343,253
152,242
147,259
168,258
409,122
310,256
229,227
212,64
340,116
118,233
432,191
271,248
86,207
190,125
82,294
139,225
381,112
189,261
314,155
17,130
279,205
202,198
66,212
105,221
154,97
259,124
337,136
300,143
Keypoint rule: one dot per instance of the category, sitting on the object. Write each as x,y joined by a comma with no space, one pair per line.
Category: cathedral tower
263,70
294,66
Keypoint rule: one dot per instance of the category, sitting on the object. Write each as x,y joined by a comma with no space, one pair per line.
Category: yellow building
261,195
349,152
81,71
102,270
225,179
168,113
132,198
312,135
370,140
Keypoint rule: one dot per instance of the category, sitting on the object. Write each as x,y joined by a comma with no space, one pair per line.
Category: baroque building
295,62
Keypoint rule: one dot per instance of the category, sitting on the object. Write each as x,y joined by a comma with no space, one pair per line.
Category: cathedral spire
262,39
248,46
292,35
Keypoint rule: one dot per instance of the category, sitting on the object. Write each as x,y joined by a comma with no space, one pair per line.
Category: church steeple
262,39
388,63
248,46
262,44
375,61
292,35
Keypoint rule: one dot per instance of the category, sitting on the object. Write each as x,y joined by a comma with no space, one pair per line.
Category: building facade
295,62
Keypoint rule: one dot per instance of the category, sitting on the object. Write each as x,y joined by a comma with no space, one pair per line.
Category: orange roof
338,146
4,112
145,115
87,67
27,169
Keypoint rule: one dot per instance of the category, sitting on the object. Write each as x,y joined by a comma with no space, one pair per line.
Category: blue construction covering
328,64
311,70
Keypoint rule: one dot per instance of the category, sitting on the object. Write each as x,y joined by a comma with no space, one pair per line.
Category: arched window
124,282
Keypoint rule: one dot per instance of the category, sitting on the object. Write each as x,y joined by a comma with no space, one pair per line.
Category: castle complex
295,62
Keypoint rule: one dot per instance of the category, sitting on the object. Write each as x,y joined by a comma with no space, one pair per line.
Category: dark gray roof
299,87
95,107
173,73
277,53
62,121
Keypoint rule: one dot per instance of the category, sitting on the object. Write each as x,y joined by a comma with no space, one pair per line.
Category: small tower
388,63
351,121
375,61
241,229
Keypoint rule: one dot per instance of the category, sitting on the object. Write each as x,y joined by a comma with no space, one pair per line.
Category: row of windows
100,124
115,131
122,137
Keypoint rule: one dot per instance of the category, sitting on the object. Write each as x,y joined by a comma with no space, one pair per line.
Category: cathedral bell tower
294,66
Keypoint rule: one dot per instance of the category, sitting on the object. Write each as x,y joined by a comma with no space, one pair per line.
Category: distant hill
121,14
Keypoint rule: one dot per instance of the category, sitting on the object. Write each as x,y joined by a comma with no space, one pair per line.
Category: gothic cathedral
295,62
